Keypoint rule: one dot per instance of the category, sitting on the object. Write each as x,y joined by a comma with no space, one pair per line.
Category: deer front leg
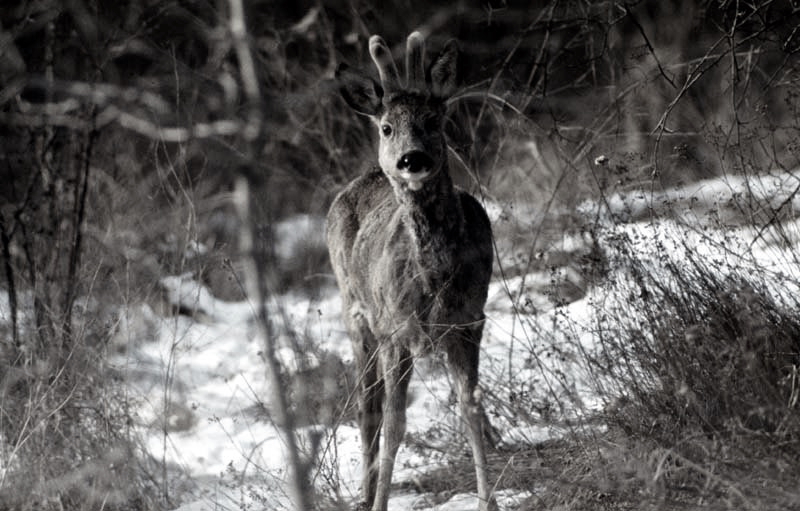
370,415
462,357
370,404
397,365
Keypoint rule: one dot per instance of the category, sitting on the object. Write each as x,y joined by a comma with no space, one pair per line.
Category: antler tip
382,57
416,37
376,43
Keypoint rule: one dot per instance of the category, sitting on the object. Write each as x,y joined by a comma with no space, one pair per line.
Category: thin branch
247,68
76,248
649,46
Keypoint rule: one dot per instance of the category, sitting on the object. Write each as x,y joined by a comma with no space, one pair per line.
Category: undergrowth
707,350
696,357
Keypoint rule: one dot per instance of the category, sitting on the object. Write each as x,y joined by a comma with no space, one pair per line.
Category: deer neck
435,222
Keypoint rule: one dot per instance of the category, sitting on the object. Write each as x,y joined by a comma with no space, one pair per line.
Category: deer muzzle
415,167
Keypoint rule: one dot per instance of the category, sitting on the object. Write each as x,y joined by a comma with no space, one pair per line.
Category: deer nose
415,161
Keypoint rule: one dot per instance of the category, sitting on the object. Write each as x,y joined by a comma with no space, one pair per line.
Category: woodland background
125,125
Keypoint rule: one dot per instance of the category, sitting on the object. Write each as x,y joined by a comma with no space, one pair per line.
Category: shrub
695,347
697,359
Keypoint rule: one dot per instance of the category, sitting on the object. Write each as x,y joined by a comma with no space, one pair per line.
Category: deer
412,255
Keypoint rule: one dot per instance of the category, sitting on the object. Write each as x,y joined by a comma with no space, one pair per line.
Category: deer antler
382,56
415,61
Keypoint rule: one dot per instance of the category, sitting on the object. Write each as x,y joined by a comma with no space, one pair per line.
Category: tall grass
702,349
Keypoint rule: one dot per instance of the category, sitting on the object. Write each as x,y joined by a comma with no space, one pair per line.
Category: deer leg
462,357
370,406
396,365
370,418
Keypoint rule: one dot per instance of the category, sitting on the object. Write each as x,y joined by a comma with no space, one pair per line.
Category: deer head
410,115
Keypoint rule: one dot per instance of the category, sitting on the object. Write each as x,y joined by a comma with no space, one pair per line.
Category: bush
67,438
696,357
696,348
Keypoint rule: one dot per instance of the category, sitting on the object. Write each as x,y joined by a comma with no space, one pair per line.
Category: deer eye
386,130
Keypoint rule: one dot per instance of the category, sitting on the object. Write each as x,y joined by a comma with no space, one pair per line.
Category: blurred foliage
616,78
562,63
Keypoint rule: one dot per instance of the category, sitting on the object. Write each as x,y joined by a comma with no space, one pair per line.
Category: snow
202,397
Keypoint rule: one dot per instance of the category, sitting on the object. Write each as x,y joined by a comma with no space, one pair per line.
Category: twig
666,454
649,46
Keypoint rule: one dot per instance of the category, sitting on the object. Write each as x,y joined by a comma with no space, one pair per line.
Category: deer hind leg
370,405
396,364
462,357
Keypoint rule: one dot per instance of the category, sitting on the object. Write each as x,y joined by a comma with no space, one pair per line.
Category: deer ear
443,70
362,93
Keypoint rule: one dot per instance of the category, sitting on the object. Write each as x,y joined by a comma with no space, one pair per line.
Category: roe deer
412,255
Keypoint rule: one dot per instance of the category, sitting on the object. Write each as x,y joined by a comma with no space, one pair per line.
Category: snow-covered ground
201,388
202,394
